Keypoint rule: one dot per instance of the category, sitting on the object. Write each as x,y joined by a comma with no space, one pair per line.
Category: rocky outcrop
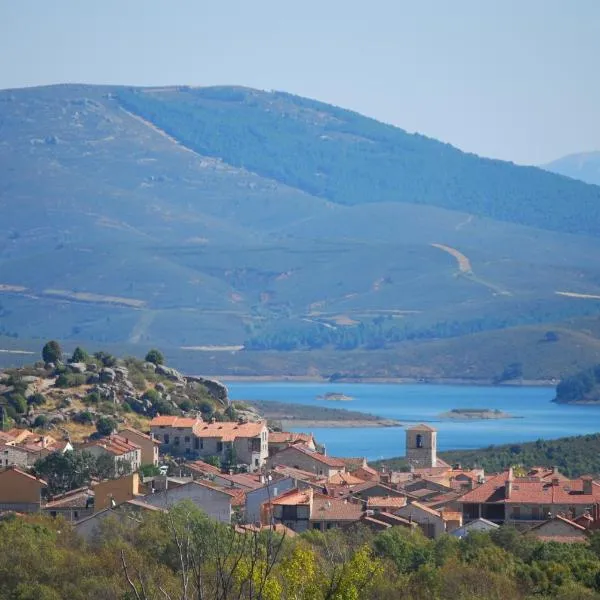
215,388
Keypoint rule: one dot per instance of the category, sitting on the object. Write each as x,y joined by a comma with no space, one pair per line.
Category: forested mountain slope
226,216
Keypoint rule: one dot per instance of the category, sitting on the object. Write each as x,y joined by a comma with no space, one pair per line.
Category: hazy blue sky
513,79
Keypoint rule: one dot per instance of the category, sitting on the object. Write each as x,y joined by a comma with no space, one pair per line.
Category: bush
92,398
52,352
155,356
84,417
40,421
105,359
67,380
18,403
80,355
36,399
105,425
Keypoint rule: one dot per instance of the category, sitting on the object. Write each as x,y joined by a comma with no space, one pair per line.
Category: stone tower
421,446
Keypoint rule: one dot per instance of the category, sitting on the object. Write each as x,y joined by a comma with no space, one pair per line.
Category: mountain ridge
115,232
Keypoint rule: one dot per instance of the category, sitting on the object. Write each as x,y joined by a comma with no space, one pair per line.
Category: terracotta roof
170,421
326,460
199,466
386,502
293,497
353,463
6,437
114,444
532,491
325,508
376,522
344,479
228,431
424,508
451,515
289,437
395,519
78,498
125,430
421,427
297,473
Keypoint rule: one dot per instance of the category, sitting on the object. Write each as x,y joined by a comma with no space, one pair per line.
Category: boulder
77,367
215,388
107,375
170,373
160,387
29,379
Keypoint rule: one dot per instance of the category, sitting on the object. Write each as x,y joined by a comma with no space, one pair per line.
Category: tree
65,471
79,355
155,356
36,399
52,352
105,425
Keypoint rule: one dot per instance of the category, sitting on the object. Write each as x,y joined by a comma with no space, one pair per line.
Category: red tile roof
170,421
289,437
326,460
228,431
114,444
78,498
128,430
325,508
391,502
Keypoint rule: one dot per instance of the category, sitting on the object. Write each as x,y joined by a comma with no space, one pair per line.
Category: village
240,473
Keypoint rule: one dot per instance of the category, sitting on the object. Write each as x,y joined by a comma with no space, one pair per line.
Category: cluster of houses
288,484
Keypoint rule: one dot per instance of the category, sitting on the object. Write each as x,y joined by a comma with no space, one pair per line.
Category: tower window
419,440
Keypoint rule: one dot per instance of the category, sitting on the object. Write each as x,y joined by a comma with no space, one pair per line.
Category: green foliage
65,471
79,356
69,380
40,421
349,159
37,399
584,385
18,403
155,356
105,359
52,352
105,425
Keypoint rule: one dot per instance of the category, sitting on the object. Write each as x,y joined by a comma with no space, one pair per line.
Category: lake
410,404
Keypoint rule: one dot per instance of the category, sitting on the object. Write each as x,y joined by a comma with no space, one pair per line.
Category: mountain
195,218
584,166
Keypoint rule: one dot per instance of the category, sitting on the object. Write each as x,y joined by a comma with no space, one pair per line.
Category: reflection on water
541,418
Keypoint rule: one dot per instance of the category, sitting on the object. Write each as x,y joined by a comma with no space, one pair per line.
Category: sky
510,79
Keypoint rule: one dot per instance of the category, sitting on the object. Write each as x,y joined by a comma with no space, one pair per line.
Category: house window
166,438
289,513
187,439
157,436
53,513
196,444
256,462
219,446
76,514
316,525
516,512
177,440
535,513
330,525
419,440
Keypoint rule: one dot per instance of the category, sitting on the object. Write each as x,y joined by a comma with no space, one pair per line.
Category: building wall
290,457
253,451
299,522
558,528
432,525
121,490
149,449
421,448
255,498
214,503
541,512
175,440
11,455
70,514
16,488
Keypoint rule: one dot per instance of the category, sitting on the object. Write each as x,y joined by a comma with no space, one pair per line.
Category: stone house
301,510
72,506
559,529
112,492
214,501
278,440
302,458
148,445
120,449
20,491
430,521
525,501
245,442
257,497
478,525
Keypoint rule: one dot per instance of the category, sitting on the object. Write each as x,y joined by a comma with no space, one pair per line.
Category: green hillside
201,218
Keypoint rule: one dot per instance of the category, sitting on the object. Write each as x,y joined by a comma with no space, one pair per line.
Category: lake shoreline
537,383
318,424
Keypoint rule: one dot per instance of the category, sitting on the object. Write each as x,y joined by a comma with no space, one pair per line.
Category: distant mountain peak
584,166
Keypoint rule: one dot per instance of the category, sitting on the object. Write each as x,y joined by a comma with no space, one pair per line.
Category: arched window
419,440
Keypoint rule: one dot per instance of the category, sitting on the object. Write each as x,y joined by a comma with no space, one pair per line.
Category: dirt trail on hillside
464,264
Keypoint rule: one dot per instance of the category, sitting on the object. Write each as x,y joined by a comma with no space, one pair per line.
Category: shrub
18,403
40,421
84,417
52,352
36,399
155,356
79,355
105,425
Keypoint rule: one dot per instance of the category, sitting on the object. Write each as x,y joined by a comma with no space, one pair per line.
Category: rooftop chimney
508,484
587,485
555,481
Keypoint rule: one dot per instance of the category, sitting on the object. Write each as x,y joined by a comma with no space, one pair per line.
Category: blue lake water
409,404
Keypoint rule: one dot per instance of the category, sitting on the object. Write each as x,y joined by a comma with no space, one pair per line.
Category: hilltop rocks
170,373
215,388
77,367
